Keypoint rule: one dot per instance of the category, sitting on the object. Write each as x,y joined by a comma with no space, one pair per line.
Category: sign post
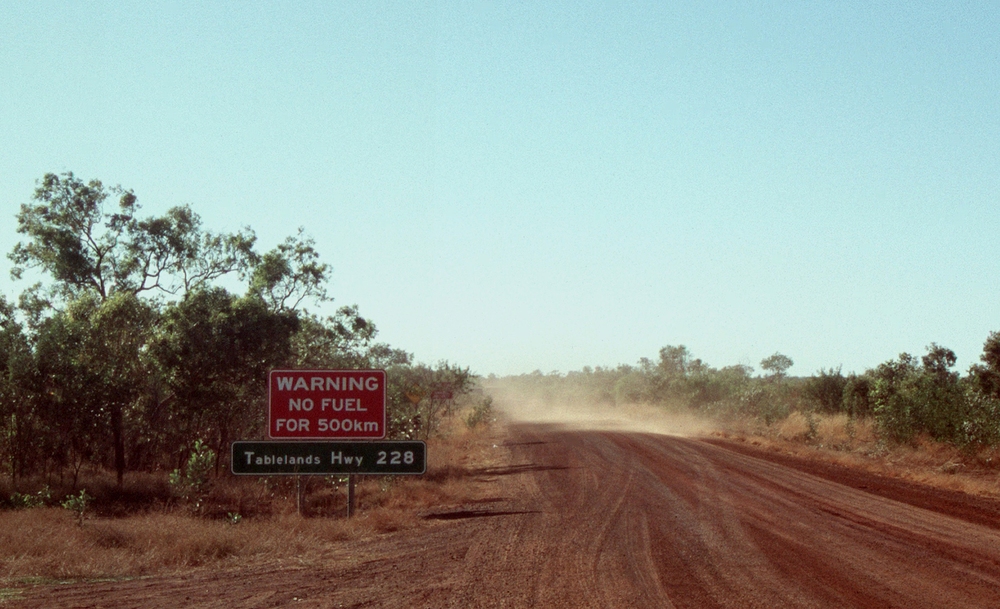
350,496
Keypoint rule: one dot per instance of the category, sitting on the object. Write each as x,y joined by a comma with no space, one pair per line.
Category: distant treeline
130,351
906,397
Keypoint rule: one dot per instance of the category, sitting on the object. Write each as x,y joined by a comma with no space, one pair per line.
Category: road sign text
328,458
326,404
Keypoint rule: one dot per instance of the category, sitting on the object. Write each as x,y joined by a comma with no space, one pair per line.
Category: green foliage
764,402
87,248
813,425
72,237
636,387
78,504
986,376
129,348
32,500
894,407
481,413
676,362
192,483
981,421
343,340
19,395
289,274
213,351
826,390
413,410
927,397
707,386
857,395
777,365
907,397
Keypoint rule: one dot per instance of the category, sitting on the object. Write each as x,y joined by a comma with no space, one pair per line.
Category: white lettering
344,425
340,405
300,404
291,424
338,458
283,459
327,383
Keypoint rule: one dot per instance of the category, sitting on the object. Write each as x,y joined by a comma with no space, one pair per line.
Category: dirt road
612,519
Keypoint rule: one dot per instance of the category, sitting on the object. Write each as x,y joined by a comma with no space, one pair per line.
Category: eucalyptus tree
109,271
986,376
137,349
776,365
87,248
290,274
215,350
18,407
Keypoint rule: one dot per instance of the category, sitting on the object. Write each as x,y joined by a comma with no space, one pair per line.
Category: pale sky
545,185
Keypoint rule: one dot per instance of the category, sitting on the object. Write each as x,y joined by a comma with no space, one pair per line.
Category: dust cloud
578,412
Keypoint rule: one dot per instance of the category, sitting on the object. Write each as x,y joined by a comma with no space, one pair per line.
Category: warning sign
326,404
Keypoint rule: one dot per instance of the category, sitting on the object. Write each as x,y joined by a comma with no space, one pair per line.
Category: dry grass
47,542
838,439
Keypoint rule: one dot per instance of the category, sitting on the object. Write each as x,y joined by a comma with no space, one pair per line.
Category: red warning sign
326,404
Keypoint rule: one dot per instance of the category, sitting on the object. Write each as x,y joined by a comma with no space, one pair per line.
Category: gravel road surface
613,519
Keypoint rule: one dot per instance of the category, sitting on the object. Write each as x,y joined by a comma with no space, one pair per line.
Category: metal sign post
350,495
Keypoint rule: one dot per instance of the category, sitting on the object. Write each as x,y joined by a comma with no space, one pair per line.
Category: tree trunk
118,436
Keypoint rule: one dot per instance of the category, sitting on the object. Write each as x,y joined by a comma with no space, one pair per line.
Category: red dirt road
613,519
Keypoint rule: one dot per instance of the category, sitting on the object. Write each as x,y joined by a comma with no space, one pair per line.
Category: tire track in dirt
612,519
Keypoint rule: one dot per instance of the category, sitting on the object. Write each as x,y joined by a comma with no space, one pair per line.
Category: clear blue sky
554,185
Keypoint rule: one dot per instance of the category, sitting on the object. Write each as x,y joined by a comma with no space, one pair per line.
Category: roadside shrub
482,413
911,398
633,388
192,483
893,403
981,425
857,399
78,504
32,500
826,390
763,401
